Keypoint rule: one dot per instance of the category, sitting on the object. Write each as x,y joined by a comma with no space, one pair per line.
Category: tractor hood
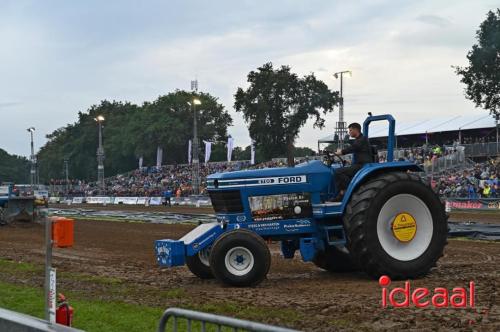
280,175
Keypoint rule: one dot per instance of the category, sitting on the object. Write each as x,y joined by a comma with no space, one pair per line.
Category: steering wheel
330,157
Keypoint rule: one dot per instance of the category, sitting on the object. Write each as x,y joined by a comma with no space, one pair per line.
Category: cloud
434,20
59,58
6,104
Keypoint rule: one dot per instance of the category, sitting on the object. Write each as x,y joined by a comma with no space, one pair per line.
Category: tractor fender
370,170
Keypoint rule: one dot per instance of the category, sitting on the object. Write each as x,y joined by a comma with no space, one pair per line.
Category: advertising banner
155,201
99,200
470,204
142,200
77,200
41,193
280,207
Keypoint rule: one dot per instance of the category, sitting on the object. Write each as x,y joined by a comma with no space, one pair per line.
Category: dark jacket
361,149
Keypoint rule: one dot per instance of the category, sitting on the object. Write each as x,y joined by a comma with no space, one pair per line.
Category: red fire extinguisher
64,312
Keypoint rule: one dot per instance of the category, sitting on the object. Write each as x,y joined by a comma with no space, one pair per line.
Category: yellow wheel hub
404,227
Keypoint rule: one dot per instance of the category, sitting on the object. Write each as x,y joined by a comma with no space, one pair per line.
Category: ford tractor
389,221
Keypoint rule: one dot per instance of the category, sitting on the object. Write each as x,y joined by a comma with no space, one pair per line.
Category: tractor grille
226,201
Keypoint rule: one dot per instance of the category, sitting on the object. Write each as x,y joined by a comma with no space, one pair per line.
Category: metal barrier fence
207,320
454,160
12,321
482,149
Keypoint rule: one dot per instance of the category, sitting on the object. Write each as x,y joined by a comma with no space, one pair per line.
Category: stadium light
196,102
99,118
340,74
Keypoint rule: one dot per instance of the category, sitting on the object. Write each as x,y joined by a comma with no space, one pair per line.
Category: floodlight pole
341,127
33,177
196,161
100,157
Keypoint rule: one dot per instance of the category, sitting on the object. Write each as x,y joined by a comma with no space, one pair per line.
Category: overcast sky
60,57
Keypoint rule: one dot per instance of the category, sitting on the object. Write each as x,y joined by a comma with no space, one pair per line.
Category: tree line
13,168
131,131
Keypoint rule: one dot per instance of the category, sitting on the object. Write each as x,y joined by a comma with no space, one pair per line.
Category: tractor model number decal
283,180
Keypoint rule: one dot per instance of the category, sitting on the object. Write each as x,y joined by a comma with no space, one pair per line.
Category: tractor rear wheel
199,264
240,258
396,225
335,259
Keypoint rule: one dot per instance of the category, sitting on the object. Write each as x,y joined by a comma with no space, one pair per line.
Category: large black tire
199,265
334,259
240,258
408,191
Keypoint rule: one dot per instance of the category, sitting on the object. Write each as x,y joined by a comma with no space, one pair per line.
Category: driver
362,155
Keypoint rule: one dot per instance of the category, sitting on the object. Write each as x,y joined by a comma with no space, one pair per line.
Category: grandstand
477,133
448,171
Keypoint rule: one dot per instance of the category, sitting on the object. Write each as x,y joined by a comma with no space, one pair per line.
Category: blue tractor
389,222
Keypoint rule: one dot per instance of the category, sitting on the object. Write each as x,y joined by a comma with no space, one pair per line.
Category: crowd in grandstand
422,155
153,181
482,180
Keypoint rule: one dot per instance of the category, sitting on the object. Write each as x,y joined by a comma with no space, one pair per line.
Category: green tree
482,75
278,103
129,132
13,168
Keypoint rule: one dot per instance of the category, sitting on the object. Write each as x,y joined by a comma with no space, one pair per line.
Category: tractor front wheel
240,258
396,225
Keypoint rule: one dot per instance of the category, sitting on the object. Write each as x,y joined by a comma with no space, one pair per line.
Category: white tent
434,125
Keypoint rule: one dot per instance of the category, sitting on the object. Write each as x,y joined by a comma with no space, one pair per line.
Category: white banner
77,200
126,200
159,157
99,200
141,161
189,151
155,201
92,200
252,153
230,142
41,193
208,151
142,200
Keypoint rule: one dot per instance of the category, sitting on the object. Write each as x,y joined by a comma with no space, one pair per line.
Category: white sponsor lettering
262,181
291,179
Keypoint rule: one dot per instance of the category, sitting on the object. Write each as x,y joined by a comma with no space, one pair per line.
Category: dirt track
325,301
